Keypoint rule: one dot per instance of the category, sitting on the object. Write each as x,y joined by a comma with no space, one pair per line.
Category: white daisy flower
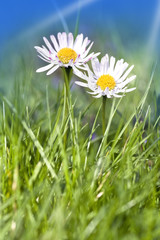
107,78
66,52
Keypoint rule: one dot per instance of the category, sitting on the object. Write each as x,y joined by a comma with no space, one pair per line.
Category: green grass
88,186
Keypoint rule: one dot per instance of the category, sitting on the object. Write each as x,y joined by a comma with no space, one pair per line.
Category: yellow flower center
105,81
66,54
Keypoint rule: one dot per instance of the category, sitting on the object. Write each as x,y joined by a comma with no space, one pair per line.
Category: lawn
61,177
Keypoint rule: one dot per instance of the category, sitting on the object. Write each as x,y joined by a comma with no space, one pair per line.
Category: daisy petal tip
36,47
132,66
133,77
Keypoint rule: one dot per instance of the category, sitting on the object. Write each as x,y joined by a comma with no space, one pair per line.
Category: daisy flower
66,52
108,78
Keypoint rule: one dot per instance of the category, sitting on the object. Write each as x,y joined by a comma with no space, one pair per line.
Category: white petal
118,96
96,66
52,70
104,65
84,45
94,93
111,66
79,66
59,36
87,51
64,39
45,68
93,86
54,41
78,43
79,73
126,74
130,89
47,56
49,45
98,96
44,59
118,64
119,71
112,62
96,54
90,56
128,80
90,75
45,50
42,51
107,92
82,84
70,40
70,62
38,48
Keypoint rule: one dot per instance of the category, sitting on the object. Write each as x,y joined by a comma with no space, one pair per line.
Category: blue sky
18,16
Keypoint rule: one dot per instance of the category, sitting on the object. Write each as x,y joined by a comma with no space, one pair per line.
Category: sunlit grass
88,187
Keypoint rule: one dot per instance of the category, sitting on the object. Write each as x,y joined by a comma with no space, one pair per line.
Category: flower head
66,52
108,78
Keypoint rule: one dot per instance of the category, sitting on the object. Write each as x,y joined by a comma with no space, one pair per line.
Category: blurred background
124,29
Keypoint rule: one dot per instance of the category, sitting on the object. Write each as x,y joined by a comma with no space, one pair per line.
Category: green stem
67,78
103,114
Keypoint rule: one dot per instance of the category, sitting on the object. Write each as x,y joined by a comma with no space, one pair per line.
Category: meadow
61,178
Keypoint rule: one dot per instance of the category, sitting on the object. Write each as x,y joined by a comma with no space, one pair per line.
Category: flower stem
67,78
103,114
